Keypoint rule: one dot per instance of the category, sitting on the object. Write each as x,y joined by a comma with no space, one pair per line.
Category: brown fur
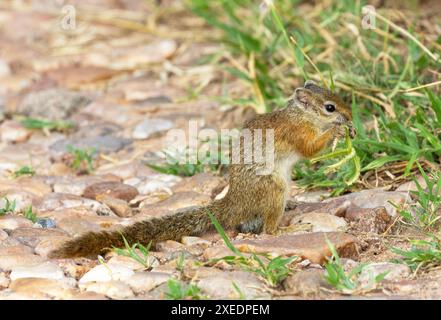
254,203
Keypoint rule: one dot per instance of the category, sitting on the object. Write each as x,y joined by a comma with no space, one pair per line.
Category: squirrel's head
323,104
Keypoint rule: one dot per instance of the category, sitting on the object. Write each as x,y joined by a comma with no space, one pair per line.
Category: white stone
111,289
107,272
46,270
321,222
148,127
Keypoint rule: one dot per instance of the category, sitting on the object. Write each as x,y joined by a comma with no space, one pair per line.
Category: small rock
191,241
54,104
120,207
133,58
321,222
150,127
306,282
128,262
3,234
5,69
4,280
311,246
107,272
39,288
45,270
7,262
311,197
32,236
12,222
375,198
374,220
14,132
75,227
169,246
46,223
219,285
411,185
143,282
153,183
395,271
62,202
102,144
116,190
15,249
112,289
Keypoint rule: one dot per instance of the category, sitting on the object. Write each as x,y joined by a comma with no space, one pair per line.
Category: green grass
49,125
132,252
423,255
175,167
8,208
82,158
23,171
177,290
424,213
28,213
347,282
272,270
381,71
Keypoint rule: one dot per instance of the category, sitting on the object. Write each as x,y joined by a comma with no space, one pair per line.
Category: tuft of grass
25,170
185,169
30,214
47,125
272,270
131,252
424,213
423,255
82,158
178,290
8,208
347,282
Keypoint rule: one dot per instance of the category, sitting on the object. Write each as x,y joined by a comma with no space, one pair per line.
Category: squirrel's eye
329,107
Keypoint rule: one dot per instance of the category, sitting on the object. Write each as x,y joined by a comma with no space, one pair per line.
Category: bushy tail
169,227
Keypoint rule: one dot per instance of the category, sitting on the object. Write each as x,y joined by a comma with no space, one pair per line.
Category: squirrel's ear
301,96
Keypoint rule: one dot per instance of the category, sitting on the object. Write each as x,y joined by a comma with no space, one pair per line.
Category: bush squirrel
312,119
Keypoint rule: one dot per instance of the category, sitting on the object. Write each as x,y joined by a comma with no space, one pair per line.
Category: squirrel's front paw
339,131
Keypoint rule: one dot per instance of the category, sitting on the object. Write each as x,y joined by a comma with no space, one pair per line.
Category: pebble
102,144
10,261
153,183
120,207
150,127
107,272
311,246
113,189
219,285
14,132
39,288
112,289
375,220
395,272
12,222
306,283
46,270
143,282
321,222
53,104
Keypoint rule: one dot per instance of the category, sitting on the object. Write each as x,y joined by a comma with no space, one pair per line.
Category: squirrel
313,118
